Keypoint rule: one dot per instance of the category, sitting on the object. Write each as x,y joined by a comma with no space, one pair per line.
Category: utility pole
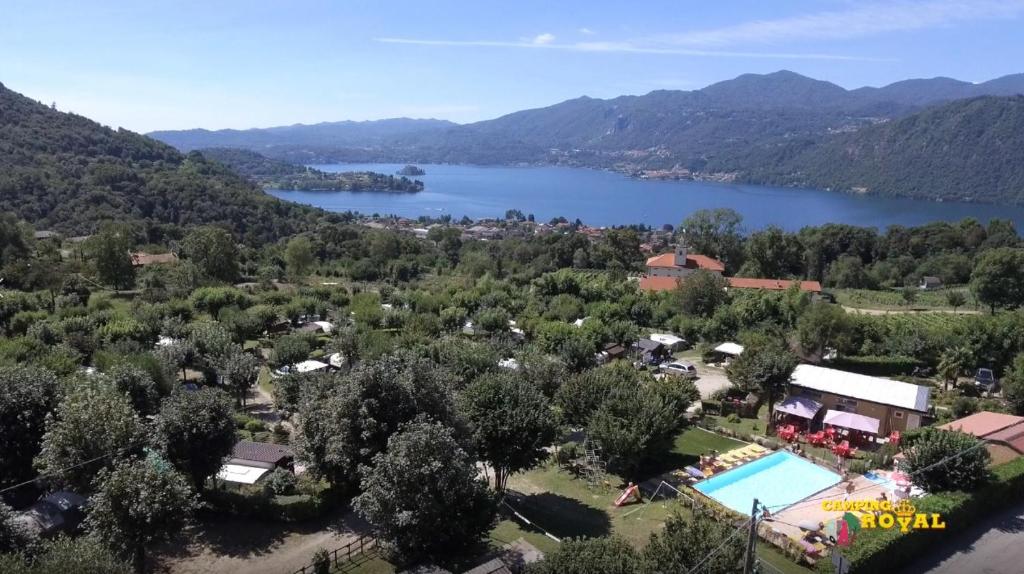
748,560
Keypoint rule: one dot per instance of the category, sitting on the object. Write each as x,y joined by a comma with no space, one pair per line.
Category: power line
739,529
65,469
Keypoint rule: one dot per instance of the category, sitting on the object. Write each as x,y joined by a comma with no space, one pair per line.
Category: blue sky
216,64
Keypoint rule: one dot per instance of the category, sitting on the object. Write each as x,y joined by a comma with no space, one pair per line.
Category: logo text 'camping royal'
885,514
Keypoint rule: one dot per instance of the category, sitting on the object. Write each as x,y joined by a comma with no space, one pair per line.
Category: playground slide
631,492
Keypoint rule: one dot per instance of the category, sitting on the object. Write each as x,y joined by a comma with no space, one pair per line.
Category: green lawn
265,381
369,565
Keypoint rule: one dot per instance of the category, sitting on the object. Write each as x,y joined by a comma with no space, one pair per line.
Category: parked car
57,513
985,380
680,369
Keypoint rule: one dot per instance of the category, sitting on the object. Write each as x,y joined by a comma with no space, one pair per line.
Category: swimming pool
777,480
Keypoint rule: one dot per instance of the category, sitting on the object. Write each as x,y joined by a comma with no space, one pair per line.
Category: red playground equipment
630,495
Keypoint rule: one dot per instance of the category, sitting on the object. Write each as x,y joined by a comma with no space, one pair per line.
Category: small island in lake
276,174
411,170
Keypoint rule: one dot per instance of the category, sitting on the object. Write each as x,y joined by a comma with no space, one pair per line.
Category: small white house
730,349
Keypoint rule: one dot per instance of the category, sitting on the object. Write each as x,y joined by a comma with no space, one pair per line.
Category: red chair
817,438
894,438
842,449
830,434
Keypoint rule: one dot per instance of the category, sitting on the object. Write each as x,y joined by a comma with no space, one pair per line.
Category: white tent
327,326
309,366
671,341
241,473
732,349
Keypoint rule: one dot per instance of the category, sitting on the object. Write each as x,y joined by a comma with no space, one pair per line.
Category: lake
603,198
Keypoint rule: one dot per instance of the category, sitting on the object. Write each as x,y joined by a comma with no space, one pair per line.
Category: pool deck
811,508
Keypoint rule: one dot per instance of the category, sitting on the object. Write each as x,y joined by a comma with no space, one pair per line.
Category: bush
733,418
255,425
964,406
567,452
966,472
321,561
282,482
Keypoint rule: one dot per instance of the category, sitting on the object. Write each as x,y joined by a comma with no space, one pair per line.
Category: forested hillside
65,172
971,150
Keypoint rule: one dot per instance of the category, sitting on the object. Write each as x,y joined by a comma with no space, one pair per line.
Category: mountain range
762,128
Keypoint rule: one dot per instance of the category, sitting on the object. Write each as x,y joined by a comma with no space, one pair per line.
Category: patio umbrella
809,525
852,521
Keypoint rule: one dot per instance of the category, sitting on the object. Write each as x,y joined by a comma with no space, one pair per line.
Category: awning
240,473
730,349
802,407
851,421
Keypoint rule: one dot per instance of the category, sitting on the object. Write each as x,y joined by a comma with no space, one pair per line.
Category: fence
344,554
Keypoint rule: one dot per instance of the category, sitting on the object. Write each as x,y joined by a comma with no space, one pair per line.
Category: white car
680,369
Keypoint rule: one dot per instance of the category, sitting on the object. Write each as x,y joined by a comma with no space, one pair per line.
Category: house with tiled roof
680,263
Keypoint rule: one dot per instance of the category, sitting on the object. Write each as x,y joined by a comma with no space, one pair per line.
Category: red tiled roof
648,283
693,261
773,284
983,424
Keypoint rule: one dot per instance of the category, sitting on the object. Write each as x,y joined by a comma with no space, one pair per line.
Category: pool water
778,480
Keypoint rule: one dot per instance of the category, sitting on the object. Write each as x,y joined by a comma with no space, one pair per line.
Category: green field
891,299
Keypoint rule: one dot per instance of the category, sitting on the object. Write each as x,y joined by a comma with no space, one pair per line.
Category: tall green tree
823,326
716,233
140,502
998,278
27,395
239,371
765,367
110,250
93,426
702,293
351,417
195,431
1013,385
510,423
214,251
422,495
138,385
953,364
299,257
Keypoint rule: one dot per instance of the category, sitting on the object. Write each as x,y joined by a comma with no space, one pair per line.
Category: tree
848,272
422,495
773,253
139,502
299,257
821,327
239,371
510,423
605,555
765,367
27,394
632,424
1013,385
716,233
136,383
955,299
953,363
998,278
582,394
702,293
111,251
967,470
213,251
347,419
92,427
702,540
291,349
909,295
195,431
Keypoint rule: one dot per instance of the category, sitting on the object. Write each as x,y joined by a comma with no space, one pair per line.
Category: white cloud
544,39
862,20
623,47
586,31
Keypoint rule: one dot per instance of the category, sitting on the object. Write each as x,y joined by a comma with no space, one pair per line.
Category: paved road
993,546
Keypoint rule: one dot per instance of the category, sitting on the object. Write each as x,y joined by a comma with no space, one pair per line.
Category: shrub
964,406
733,418
965,472
255,425
321,561
282,482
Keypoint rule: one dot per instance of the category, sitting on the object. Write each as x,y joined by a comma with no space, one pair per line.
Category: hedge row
877,366
889,550
267,506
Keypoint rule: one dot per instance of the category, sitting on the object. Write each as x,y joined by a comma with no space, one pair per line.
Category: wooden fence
341,556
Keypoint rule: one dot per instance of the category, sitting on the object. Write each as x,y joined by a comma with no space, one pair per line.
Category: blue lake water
605,198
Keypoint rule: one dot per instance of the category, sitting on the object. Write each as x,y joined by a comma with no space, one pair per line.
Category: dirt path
865,311
235,546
